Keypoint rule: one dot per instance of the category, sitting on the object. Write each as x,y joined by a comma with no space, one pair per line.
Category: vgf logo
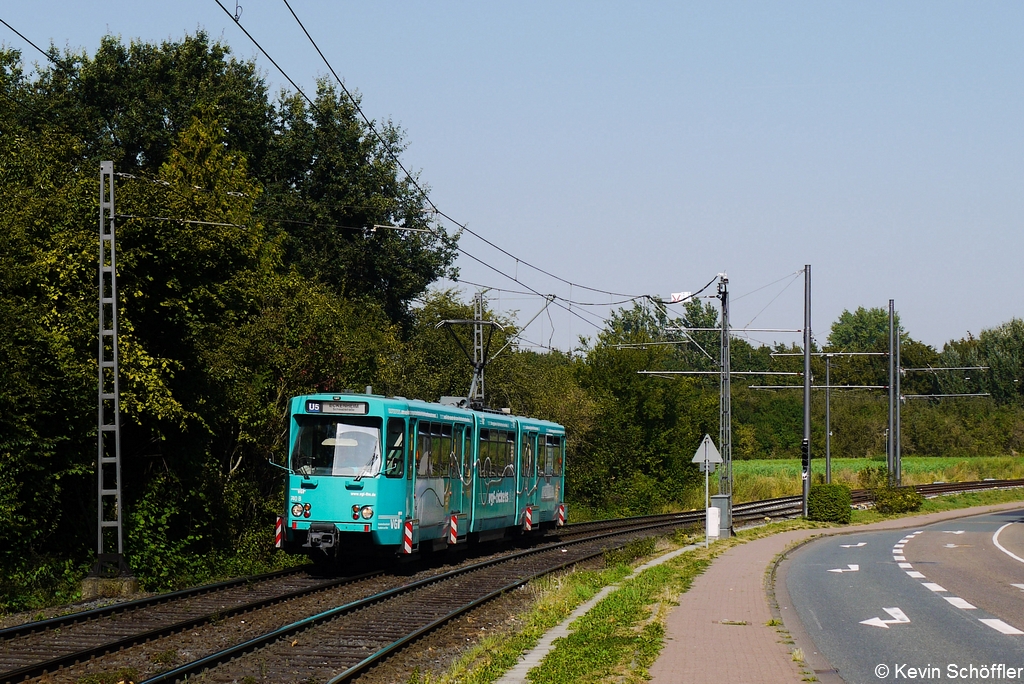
497,497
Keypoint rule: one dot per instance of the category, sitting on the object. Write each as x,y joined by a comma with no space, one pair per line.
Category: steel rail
778,507
194,668
106,611
39,669
380,655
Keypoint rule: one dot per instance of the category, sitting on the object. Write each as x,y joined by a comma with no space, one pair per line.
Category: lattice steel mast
725,396
109,534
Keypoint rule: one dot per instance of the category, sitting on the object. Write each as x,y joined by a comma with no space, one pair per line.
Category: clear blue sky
645,147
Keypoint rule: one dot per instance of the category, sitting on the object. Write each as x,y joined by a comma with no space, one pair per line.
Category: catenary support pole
891,434
828,418
899,402
806,445
109,510
725,397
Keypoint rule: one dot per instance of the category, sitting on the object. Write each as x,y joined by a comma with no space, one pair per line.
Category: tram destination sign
348,408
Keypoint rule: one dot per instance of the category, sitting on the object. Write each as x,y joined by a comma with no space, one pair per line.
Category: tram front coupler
322,536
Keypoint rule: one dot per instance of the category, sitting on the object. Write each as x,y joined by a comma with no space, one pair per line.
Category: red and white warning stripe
279,533
407,537
528,519
560,519
453,529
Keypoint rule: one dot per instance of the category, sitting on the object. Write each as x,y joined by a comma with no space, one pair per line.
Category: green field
766,479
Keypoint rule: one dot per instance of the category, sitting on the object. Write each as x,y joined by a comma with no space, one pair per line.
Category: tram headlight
297,511
366,512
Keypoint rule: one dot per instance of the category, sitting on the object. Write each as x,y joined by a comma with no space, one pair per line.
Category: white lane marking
898,546
905,565
919,532
933,586
900,618
952,531
850,567
905,540
899,558
915,574
853,546
1019,586
959,602
1001,626
952,546
995,540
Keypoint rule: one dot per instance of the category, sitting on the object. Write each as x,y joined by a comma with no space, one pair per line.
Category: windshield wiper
365,471
278,465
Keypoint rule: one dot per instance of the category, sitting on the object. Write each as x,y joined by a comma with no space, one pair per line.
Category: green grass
767,479
946,503
621,637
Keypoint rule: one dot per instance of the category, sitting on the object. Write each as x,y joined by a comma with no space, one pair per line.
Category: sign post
707,455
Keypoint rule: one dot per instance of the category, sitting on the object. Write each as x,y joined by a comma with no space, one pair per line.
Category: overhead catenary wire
410,177
569,302
41,51
394,157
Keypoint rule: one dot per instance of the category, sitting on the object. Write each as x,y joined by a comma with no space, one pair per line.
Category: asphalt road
923,604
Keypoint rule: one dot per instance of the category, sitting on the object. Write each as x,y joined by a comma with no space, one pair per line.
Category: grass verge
619,638
946,503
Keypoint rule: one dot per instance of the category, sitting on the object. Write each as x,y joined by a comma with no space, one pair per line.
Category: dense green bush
829,503
872,477
896,499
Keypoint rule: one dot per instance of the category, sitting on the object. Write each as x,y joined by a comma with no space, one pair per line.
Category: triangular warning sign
707,452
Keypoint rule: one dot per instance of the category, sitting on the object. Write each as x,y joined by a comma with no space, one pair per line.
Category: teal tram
374,473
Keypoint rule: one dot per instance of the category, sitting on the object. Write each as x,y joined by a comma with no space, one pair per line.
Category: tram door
430,480
528,471
458,474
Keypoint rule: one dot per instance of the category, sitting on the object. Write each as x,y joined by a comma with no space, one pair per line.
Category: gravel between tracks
436,652
149,659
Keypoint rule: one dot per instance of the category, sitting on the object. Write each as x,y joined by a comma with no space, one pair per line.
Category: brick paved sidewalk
700,649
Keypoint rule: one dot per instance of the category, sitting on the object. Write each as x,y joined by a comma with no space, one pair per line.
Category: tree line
251,268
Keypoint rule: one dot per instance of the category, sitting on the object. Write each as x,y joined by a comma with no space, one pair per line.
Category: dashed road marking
1019,586
915,574
850,567
1001,626
853,546
952,531
905,565
899,558
933,586
959,603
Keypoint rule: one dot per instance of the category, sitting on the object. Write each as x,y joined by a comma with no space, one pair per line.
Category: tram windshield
334,446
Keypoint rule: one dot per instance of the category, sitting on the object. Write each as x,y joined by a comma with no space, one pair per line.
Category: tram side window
443,457
436,449
529,464
424,446
500,458
509,448
455,463
483,463
394,464
552,456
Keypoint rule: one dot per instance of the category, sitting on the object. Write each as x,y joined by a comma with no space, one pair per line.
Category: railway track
36,648
342,643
